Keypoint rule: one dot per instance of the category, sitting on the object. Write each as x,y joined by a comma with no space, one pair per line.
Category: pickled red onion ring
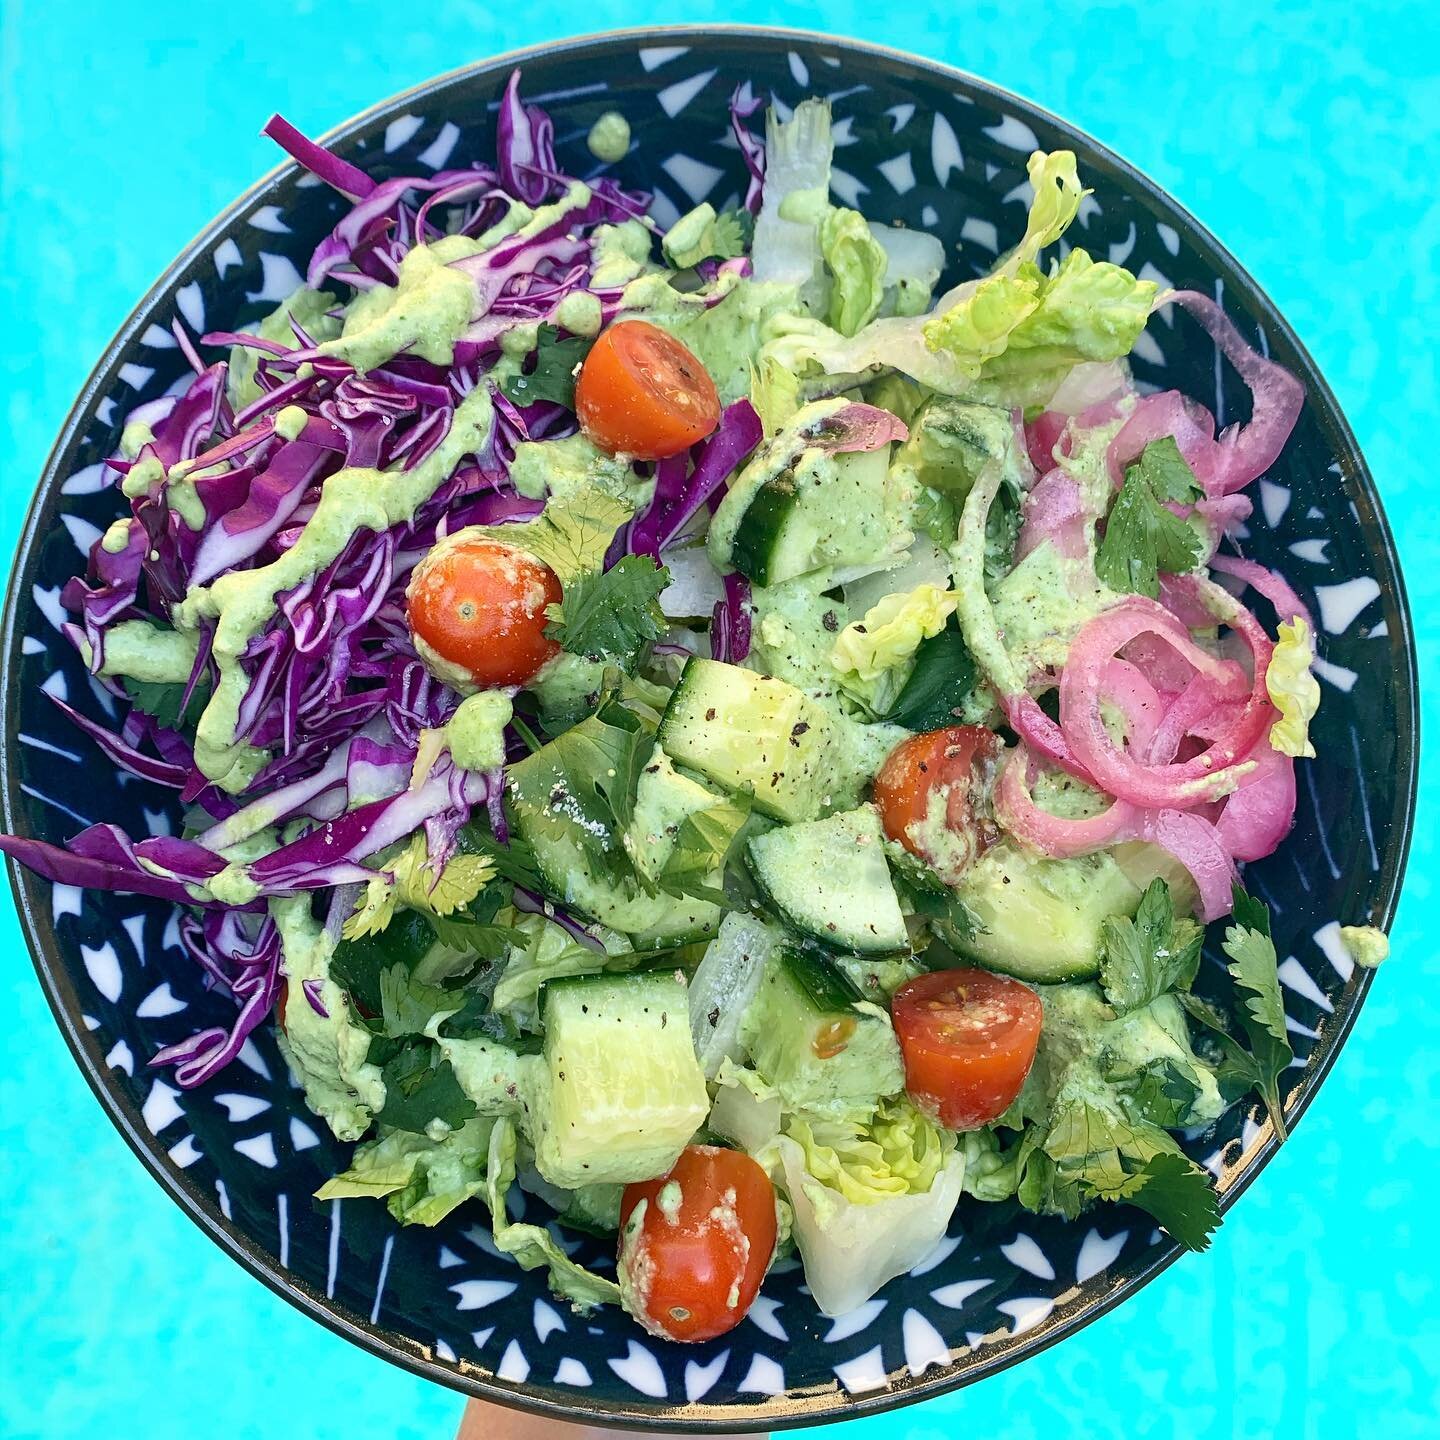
1183,784
1269,583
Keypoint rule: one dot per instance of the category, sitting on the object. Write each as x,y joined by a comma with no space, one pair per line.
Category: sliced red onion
1122,774
1258,816
1269,583
1053,512
1245,452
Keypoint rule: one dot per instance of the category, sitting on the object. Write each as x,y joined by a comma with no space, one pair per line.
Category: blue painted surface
1304,136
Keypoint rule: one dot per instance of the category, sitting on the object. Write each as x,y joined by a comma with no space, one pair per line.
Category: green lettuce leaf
532,1246
857,263
1292,688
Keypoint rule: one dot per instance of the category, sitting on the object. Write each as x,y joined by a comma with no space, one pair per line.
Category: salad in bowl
696,725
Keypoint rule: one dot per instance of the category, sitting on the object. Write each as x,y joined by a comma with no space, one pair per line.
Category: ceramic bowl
916,142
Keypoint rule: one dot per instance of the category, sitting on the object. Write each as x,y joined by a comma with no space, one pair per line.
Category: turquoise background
1305,136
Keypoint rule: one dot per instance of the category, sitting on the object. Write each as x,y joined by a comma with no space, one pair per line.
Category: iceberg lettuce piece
1293,689
870,1202
874,656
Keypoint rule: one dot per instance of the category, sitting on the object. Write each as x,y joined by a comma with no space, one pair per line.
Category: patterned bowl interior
916,145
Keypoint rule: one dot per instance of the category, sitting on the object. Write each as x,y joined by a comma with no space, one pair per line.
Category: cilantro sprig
1141,959
1142,536
557,363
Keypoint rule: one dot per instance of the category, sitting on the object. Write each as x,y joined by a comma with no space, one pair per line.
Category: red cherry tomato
641,392
968,1038
480,606
693,1261
956,759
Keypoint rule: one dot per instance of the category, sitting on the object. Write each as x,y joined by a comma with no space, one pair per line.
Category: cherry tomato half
641,392
956,759
968,1039
480,606
693,1260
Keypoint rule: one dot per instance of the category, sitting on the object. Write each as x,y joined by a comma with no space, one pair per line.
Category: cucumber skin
830,942
758,533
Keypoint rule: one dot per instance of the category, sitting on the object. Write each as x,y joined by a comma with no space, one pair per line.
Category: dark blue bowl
918,142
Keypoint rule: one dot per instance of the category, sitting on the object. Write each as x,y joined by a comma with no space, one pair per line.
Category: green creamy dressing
1083,1042
1367,945
609,137
476,731
242,602
619,254
432,303
726,336
565,683
134,438
311,310
142,651
1043,603
791,640
562,467
326,1053
424,313
117,536
579,312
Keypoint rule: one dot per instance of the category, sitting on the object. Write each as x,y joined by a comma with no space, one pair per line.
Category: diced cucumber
748,731
829,879
1042,917
664,799
723,985
828,510
579,864
621,1092
810,1037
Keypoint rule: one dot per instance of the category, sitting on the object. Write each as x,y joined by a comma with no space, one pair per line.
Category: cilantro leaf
1178,1193
357,965
514,861
1090,1154
408,1005
160,700
1142,537
1162,1092
1141,959
553,376
702,846
939,685
476,1020
571,535
420,1086
704,235
1240,1070
408,881
611,615
1254,967
579,789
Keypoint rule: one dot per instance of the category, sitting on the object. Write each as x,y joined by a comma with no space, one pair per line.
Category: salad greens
857,685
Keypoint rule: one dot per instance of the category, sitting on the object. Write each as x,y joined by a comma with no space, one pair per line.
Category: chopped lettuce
881,1202
421,1179
1293,689
874,656
548,953
857,263
532,1246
